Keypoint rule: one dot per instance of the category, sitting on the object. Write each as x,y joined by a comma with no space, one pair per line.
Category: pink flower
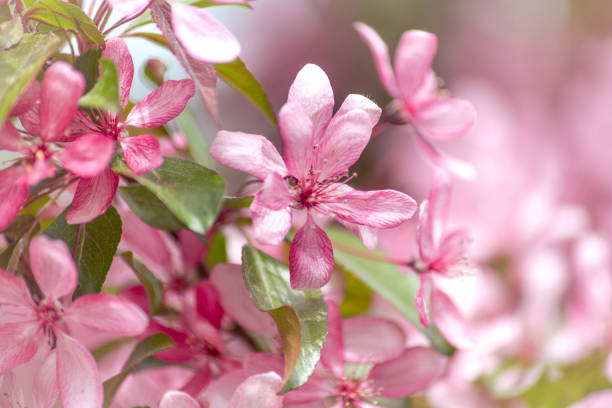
178,399
318,149
38,317
141,153
413,85
201,35
45,125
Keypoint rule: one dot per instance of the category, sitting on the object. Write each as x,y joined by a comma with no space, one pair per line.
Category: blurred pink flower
417,100
178,399
318,149
32,320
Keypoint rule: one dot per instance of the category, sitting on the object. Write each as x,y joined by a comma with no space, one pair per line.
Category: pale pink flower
38,319
142,153
413,84
202,36
178,399
318,150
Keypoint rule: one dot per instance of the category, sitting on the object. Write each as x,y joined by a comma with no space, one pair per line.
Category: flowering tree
132,274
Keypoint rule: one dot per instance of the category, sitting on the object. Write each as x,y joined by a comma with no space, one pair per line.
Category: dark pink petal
14,192
413,371
274,193
88,155
30,120
354,101
178,399
118,52
26,100
342,144
449,320
192,248
297,132
270,227
380,53
10,139
459,168
332,354
77,374
445,119
141,153
208,303
53,267
252,154
108,313
45,389
311,257
92,197
372,340
62,86
377,209
41,169
202,36
129,8
312,90
162,105
18,342
258,391
413,57
420,301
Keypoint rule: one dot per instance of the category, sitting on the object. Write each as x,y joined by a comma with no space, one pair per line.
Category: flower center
311,192
201,346
353,391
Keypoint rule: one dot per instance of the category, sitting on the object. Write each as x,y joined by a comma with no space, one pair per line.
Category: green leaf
385,279
301,316
143,350
94,245
65,16
149,208
152,285
237,75
238,202
216,252
193,193
20,64
153,37
88,64
105,93
357,297
198,148
208,3
11,32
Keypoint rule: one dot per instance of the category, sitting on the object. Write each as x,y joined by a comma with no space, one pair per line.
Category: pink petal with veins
419,301
274,193
18,342
208,303
26,100
178,399
252,154
45,388
354,101
372,340
413,58
77,374
118,52
88,155
202,36
380,53
108,313
270,226
53,267
445,119
142,153
297,132
13,290
62,86
162,105
258,390
311,257
10,139
14,192
11,392
129,8
93,196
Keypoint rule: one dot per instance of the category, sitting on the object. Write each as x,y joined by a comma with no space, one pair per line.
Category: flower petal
202,36
311,257
118,52
77,375
18,342
53,267
459,168
449,320
297,132
312,90
445,119
13,290
413,371
88,155
342,144
258,391
424,233
10,139
252,154
274,193
377,209
367,235
62,86
162,105
14,192
178,399
419,300
413,57
141,153
380,53
129,8
11,392
45,390
92,197
26,100
107,313
208,303
370,340
270,226
354,101
332,354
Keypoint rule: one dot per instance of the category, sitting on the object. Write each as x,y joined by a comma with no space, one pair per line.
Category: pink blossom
178,399
417,100
38,317
202,36
318,150
142,153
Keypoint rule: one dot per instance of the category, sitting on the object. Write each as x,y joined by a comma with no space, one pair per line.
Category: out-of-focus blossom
318,150
178,399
